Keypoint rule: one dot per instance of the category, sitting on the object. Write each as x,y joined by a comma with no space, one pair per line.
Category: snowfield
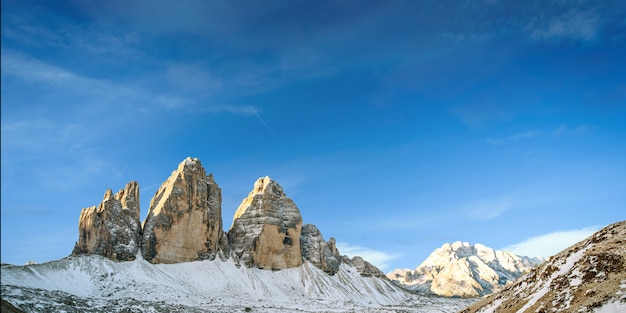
97,284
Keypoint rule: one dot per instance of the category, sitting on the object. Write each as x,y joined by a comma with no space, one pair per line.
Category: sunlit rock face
111,229
320,253
184,222
464,270
266,228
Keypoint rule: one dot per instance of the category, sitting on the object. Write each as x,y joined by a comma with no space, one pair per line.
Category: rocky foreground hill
589,276
180,259
464,270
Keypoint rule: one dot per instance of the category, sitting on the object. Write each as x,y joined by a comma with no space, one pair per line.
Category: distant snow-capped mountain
180,259
464,270
97,284
589,276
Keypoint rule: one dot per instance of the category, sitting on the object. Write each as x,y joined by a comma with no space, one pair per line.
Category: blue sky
396,126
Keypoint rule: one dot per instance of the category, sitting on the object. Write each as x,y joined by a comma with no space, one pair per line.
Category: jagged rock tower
184,222
112,229
320,253
266,228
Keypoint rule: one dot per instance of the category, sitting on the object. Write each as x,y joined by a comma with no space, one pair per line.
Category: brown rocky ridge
184,223
111,229
588,276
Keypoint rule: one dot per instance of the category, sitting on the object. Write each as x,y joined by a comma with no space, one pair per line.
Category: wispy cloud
56,33
549,244
29,145
574,24
562,130
479,115
579,130
100,94
378,258
193,78
517,136
490,208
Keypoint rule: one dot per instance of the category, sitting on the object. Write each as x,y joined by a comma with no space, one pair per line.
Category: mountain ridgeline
461,269
184,224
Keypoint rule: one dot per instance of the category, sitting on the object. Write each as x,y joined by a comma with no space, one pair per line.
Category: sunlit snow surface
96,284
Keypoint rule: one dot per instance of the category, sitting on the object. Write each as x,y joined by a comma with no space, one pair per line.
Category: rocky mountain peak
464,270
129,198
111,229
320,253
184,221
266,228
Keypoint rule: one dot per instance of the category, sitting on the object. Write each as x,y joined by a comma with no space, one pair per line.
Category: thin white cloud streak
489,209
378,258
518,136
271,131
550,244
558,132
59,34
580,130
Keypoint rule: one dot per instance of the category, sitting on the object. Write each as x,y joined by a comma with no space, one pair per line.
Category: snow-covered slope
589,276
464,270
96,284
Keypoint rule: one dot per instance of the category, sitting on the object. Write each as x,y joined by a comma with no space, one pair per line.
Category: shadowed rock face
112,229
184,222
320,253
266,228
364,268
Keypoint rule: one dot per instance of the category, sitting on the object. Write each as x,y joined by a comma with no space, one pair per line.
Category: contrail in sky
271,131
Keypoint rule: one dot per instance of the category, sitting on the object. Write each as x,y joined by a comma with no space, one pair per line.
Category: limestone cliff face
184,222
320,253
266,228
111,229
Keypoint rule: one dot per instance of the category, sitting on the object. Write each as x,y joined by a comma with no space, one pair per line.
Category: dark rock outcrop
184,222
112,229
320,253
364,268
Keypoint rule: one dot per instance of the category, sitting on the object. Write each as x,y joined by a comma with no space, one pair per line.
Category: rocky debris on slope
184,222
320,253
366,269
112,229
464,270
588,276
266,228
